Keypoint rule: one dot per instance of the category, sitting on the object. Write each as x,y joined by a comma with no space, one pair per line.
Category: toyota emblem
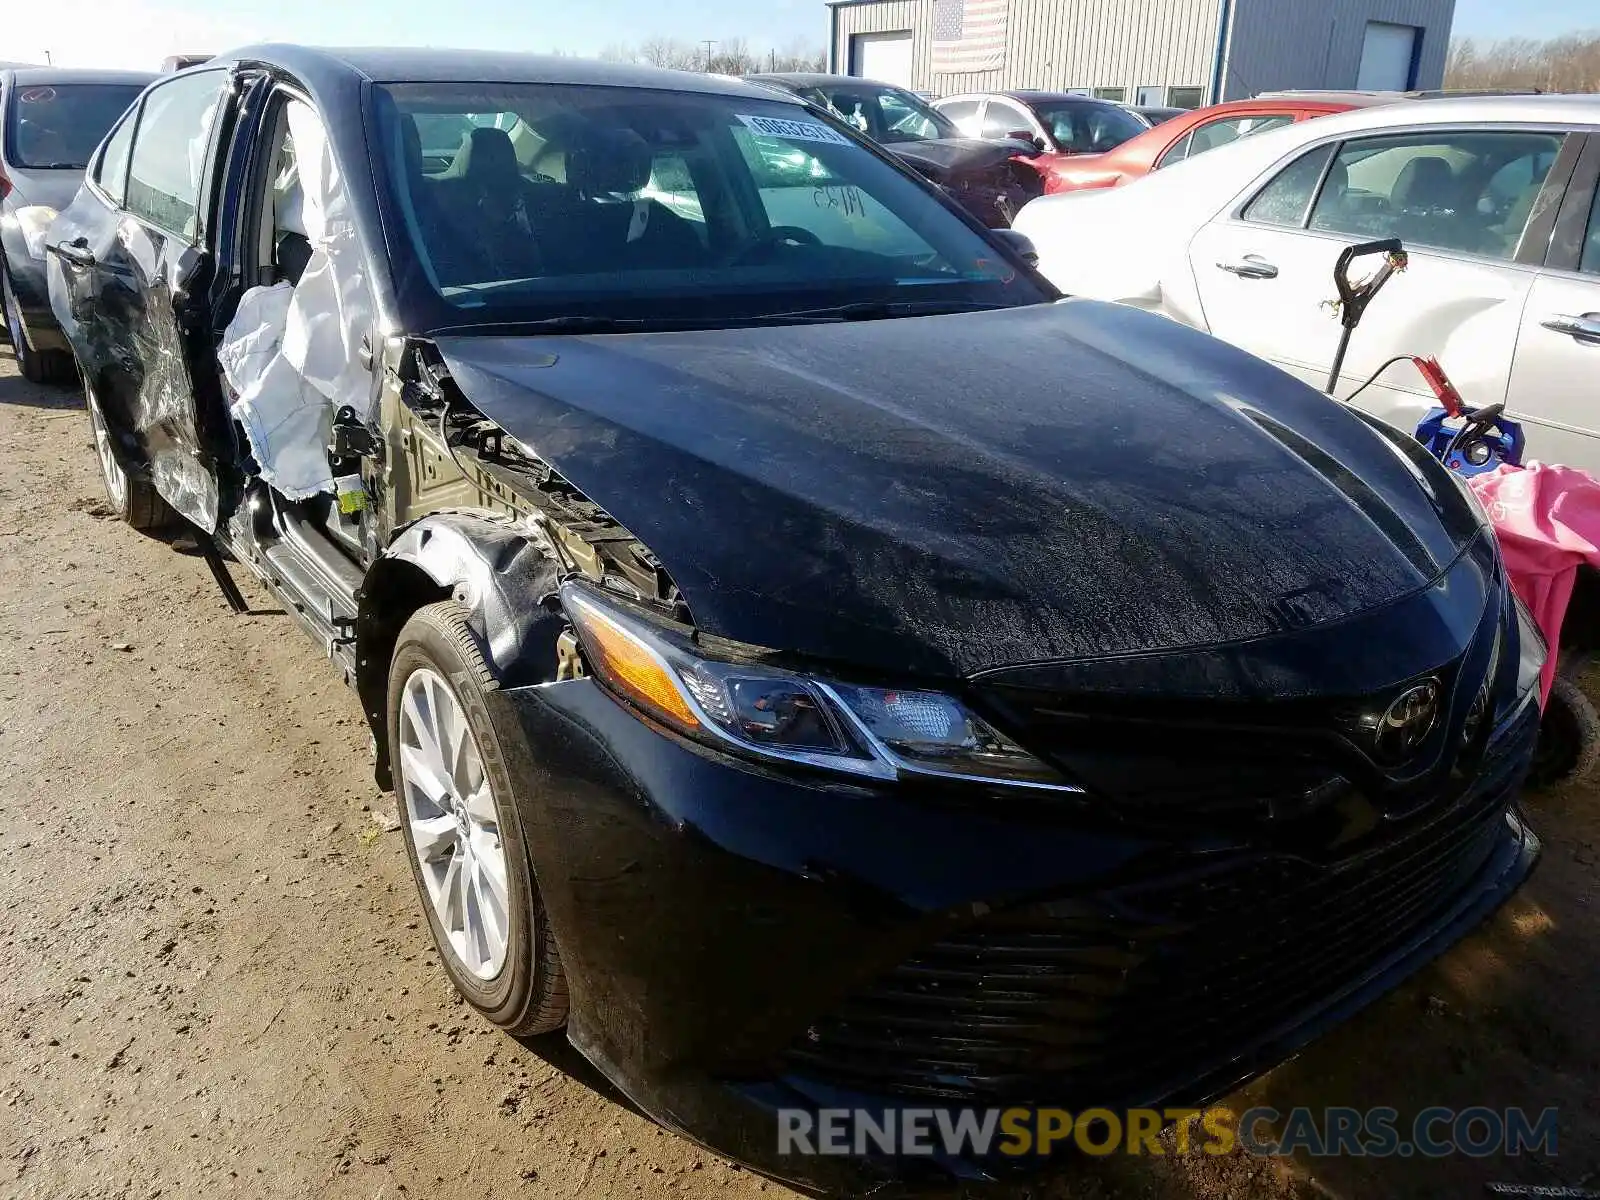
1407,722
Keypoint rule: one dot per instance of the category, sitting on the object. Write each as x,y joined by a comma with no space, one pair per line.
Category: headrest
1425,182
608,160
289,209
487,156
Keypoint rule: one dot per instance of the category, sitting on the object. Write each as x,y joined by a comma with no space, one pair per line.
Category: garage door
885,57
1386,57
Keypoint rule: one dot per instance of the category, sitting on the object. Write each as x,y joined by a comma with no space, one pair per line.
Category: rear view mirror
1020,243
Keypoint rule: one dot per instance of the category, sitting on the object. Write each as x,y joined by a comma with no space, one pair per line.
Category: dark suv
784,689
51,120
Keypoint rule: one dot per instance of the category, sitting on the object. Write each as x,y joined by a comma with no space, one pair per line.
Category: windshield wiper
881,310
864,310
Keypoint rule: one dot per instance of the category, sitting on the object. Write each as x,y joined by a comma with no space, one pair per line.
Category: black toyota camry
817,665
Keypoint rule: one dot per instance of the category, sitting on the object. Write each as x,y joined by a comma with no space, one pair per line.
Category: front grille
1125,995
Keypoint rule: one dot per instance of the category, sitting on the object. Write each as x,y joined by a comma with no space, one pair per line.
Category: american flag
969,35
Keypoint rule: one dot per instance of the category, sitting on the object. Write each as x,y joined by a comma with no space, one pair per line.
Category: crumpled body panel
162,414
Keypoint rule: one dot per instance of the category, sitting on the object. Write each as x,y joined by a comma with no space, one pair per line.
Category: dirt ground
214,979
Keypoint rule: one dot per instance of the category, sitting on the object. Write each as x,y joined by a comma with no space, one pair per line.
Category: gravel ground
214,979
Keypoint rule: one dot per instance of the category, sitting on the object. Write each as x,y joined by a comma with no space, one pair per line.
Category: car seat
606,170
291,247
484,212
1429,210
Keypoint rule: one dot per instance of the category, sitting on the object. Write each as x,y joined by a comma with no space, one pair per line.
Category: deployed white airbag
291,353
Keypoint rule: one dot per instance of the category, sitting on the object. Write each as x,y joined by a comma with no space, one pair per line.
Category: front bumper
739,941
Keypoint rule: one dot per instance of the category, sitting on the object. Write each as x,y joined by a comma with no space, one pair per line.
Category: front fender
500,571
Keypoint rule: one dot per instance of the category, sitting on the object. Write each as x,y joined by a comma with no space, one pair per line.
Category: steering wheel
778,235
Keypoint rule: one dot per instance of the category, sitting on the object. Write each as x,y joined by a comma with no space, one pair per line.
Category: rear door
1219,131
139,271
1555,381
1471,206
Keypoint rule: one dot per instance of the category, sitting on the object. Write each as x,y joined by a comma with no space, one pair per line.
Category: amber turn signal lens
632,667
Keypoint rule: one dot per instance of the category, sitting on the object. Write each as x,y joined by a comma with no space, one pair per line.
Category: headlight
35,221
1531,651
769,712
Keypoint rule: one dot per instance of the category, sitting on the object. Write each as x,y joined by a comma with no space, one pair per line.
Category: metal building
1179,52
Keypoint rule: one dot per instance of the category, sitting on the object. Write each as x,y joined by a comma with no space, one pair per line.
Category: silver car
51,120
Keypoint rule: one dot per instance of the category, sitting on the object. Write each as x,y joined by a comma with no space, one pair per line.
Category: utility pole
708,44
47,61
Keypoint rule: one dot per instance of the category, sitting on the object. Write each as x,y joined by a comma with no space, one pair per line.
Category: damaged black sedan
992,178
788,687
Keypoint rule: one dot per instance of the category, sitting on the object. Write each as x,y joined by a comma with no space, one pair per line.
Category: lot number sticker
797,131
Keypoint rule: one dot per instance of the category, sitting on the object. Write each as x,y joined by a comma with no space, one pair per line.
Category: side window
1469,192
1002,118
901,121
1176,153
111,171
1590,263
1219,133
964,113
169,152
1286,199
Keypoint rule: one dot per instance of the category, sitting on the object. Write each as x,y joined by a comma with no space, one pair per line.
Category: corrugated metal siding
1302,45
1113,43
1059,43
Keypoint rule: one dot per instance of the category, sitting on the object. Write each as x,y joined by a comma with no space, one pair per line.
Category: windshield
537,201
885,114
1080,128
57,126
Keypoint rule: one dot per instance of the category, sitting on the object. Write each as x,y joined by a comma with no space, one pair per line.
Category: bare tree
1564,64
730,56
670,53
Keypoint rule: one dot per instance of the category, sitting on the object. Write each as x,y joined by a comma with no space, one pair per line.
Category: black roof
36,76
428,65
817,79
1038,94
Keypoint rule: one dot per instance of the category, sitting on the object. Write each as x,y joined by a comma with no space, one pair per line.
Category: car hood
943,495
956,155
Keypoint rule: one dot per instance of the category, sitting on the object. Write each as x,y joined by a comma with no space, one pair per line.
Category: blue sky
138,33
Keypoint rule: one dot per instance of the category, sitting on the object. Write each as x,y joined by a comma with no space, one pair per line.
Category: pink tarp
1548,520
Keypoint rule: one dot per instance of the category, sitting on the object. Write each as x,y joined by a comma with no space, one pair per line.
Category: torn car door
152,275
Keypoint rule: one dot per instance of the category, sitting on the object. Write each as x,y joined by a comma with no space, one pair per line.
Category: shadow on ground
14,389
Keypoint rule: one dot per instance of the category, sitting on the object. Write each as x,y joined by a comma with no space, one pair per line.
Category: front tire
1569,737
38,366
131,497
463,836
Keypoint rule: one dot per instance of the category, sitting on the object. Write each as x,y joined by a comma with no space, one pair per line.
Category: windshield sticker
795,131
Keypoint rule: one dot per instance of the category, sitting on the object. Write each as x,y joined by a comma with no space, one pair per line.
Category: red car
1193,133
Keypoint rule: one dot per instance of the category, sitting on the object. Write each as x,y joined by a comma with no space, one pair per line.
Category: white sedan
1494,197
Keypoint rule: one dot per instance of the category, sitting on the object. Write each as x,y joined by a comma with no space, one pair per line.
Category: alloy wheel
455,827
111,469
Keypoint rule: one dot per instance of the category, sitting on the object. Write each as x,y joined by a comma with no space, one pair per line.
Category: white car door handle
1585,328
1251,266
